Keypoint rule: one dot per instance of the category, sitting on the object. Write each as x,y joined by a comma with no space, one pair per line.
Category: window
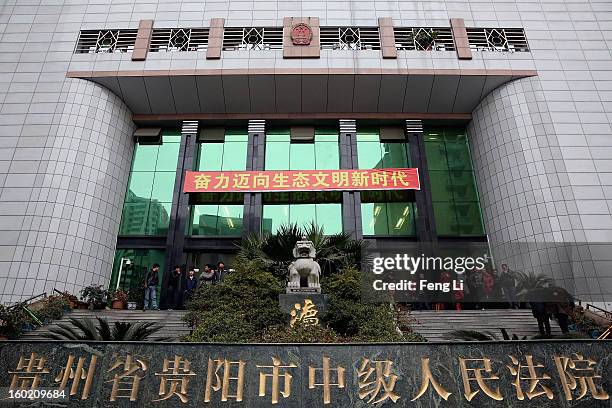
350,38
302,208
385,213
132,275
215,214
179,39
229,155
252,38
220,214
424,39
453,188
148,201
282,154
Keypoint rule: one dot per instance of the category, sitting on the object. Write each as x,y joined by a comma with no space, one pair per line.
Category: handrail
588,306
28,300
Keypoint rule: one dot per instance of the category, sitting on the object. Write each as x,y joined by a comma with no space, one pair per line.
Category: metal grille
498,39
257,126
348,126
190,127
424,39
414,126
252,38
350,38
179,39
98,41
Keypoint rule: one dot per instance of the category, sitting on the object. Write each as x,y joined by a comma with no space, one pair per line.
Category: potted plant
135,299
95,296
53,308
120,298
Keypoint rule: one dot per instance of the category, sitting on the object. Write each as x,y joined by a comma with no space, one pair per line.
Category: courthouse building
503,106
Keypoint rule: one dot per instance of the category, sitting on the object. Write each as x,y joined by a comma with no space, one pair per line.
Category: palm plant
274,252
527,282
86,329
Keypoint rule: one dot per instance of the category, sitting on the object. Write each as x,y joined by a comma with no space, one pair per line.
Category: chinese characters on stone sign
375,380
301,180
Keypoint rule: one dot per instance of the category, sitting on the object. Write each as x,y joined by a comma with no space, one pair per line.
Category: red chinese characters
301,180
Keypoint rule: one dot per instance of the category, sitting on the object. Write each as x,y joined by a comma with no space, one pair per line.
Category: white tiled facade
542,146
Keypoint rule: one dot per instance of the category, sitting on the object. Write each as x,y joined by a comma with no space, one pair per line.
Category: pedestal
287,301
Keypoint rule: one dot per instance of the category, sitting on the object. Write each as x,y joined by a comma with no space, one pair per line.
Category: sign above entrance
301,180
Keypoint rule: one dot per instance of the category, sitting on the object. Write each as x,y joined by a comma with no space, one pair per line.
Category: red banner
301,180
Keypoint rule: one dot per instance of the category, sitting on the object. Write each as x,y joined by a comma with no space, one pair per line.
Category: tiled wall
559,123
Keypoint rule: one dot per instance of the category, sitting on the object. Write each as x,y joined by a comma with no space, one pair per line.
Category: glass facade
324,209
220,214
453,187
132,276
148,201
385,213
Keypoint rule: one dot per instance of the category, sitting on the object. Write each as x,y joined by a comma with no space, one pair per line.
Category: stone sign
500,374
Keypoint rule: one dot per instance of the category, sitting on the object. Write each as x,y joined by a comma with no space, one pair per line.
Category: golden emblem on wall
306,314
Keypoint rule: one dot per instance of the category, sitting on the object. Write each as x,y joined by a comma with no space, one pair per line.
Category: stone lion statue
304,267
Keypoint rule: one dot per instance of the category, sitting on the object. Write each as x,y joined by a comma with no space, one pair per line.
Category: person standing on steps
175,288
508,286
207,277
150,287
220,271
191,285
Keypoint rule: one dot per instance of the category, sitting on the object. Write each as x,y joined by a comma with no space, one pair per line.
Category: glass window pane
441,186
368,135
274,216
163,186
326,137
134,218
446,221
145,157
234,156
171,136
327,155
394,155
277,156
464,186
236,135
401,219
159,218
167,157
302,214
210,157
302,156
369,155
329,216
278,135
230,220
141,184
458,153
374,219
469,219
204,219
436,155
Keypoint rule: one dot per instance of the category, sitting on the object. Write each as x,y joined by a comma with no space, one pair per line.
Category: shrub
350,317
53,308
237,309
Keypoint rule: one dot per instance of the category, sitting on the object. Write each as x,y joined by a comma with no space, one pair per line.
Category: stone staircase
434,324
172,321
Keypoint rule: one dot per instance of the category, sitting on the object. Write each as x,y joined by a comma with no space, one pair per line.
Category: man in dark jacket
191,285
175,289
220,271
150,288
508,286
